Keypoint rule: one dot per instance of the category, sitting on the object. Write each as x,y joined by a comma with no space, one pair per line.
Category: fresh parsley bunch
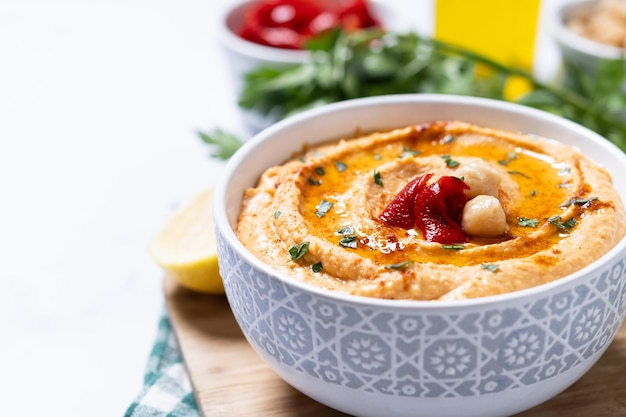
361,64
374,62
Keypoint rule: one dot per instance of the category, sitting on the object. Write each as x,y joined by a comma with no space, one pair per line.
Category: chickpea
484,216
483,179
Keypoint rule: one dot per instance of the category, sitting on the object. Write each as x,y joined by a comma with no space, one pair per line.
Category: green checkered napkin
167,390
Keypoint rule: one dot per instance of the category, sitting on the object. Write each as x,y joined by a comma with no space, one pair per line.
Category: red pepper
280,23
438,210
356,15
399,212
435,209
290,23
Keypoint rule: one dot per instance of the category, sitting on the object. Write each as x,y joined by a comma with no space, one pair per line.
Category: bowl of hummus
413,255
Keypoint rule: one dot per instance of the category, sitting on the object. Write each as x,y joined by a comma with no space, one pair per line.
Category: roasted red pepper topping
290,23
438,210
435,209
399,212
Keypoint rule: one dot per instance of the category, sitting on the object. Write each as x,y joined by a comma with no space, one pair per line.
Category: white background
99,104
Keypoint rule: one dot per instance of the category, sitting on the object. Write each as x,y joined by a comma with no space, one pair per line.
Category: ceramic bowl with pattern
491,356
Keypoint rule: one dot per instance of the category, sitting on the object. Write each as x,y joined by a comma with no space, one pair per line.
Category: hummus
534,210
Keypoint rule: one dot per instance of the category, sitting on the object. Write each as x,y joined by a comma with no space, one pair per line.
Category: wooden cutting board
230,380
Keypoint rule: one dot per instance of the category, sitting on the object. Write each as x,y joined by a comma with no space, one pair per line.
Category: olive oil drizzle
538,176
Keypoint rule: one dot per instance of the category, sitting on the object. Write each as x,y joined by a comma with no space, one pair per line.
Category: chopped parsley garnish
526,222
509,157
319,171
518,173
313,181
345,231
377,157
578,201
453,247
401,266
298,251
277,214
407,151
317,267
533,193
323,207
449,161
377,179
566,226
341,167
348,241
490,267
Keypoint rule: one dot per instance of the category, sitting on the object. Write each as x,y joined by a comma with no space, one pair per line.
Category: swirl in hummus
534,210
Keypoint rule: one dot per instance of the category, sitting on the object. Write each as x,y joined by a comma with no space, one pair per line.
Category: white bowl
578,50
319,341
243,56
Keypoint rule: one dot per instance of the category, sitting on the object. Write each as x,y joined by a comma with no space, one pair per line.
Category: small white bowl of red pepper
275,33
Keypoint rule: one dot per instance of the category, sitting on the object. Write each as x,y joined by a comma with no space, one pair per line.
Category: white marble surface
99,102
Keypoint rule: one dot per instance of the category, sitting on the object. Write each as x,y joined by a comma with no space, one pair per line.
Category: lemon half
185,247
